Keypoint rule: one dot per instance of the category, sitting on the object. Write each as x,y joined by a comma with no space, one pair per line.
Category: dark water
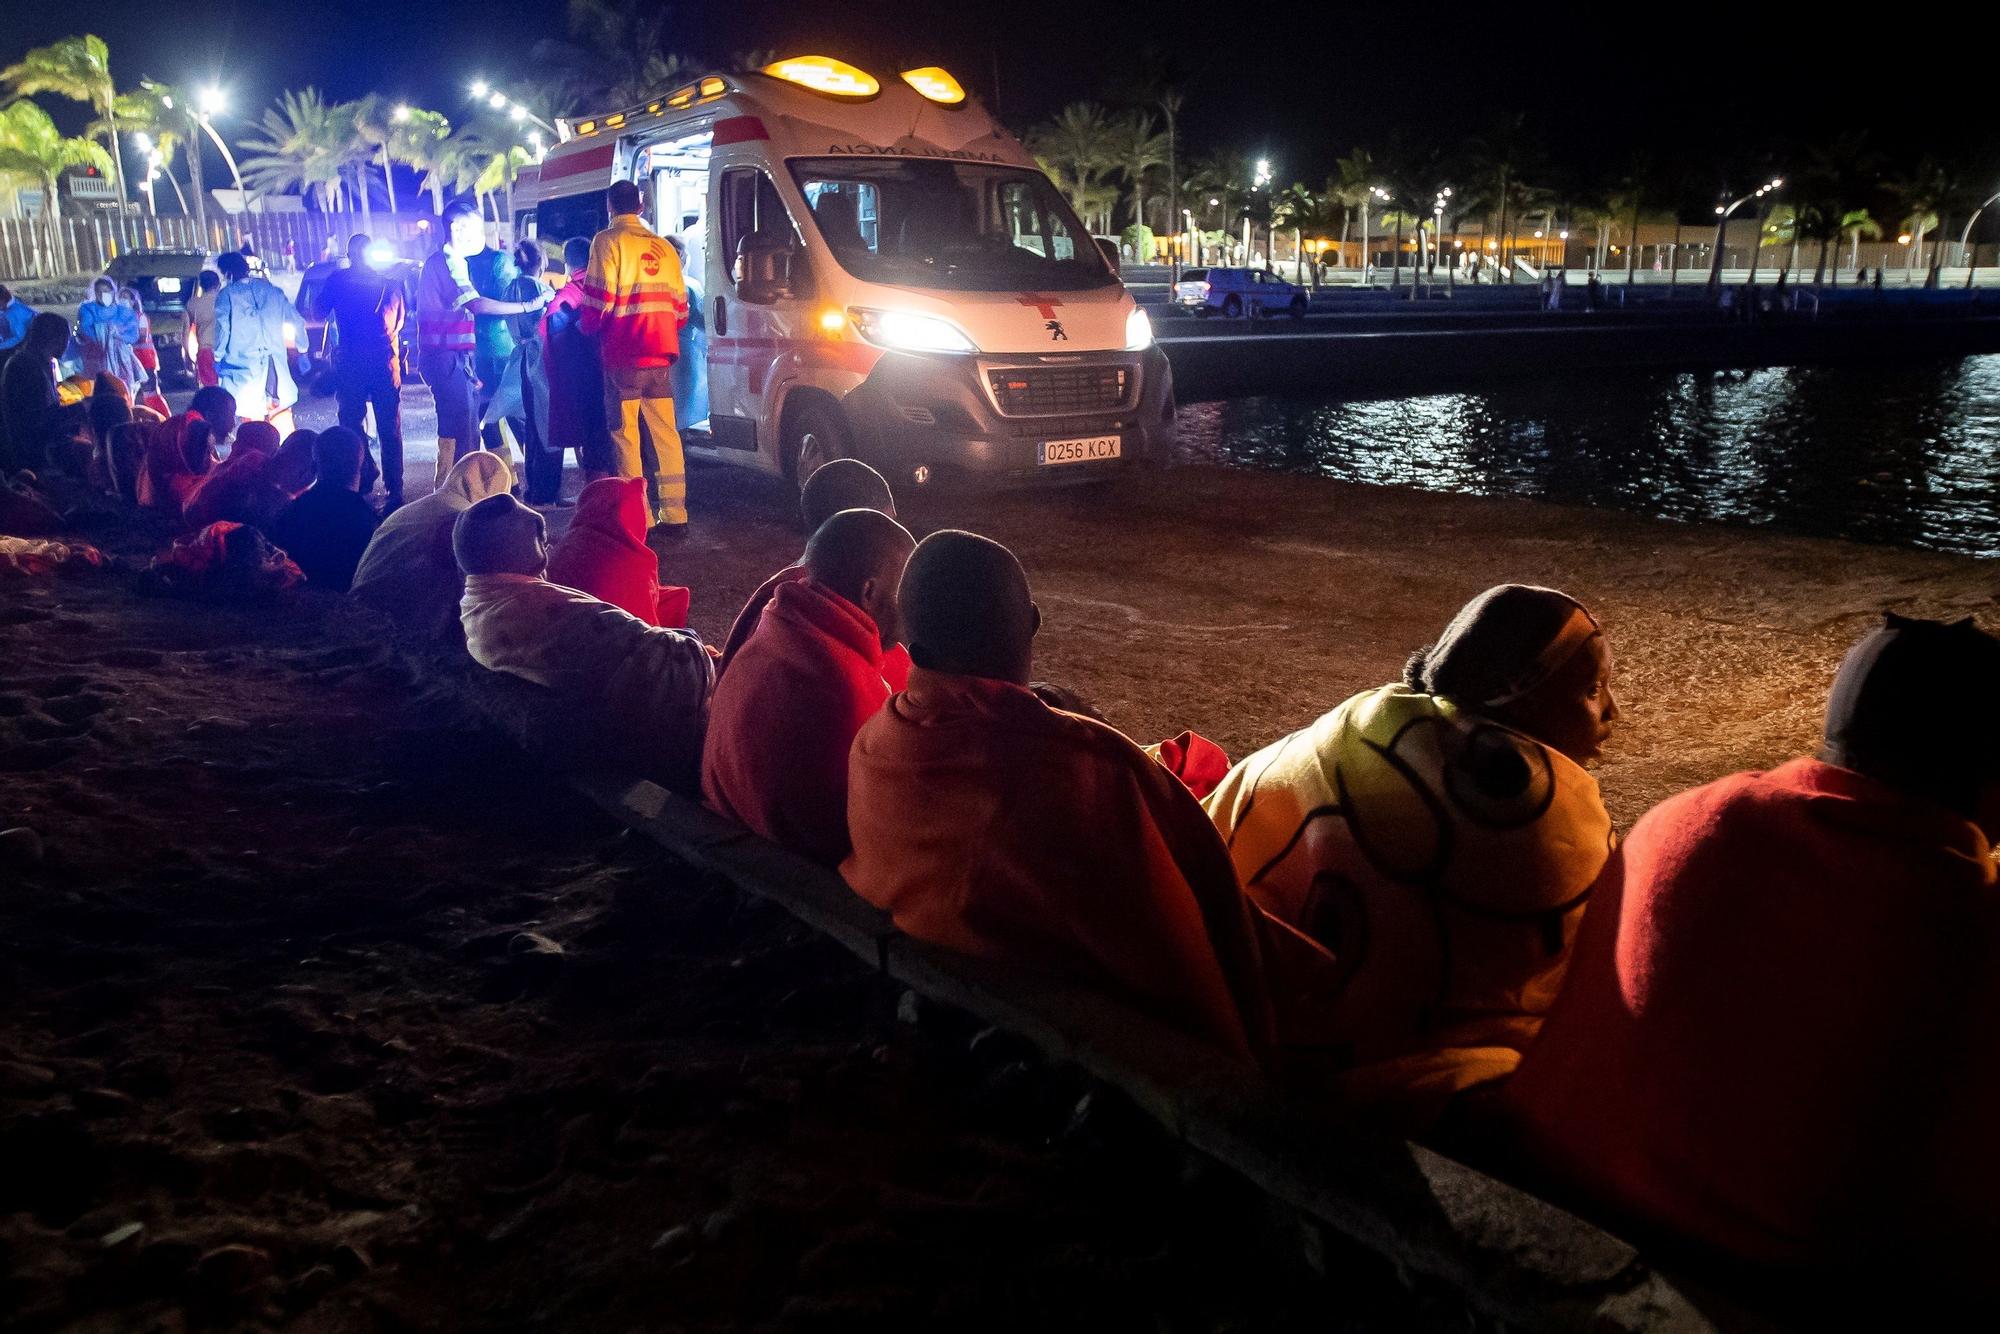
1907,454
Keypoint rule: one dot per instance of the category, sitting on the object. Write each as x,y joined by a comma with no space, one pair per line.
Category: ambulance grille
1045,391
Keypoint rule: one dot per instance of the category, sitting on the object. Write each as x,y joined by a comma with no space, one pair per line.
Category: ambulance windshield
957,226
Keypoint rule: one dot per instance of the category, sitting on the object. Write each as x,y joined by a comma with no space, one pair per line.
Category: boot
447,455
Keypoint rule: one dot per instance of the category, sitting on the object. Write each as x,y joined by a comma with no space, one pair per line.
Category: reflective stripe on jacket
634,298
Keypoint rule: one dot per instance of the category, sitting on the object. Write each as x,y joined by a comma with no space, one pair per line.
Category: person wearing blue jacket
255,328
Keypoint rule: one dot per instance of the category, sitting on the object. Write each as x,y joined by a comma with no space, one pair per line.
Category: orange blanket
603,552
781,722
895,659
985,821
1766,1009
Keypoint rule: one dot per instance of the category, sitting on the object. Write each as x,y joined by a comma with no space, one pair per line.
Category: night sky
1298,83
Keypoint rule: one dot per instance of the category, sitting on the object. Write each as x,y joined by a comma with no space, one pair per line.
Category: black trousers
356,392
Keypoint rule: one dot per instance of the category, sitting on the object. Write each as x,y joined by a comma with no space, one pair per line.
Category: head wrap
1502,645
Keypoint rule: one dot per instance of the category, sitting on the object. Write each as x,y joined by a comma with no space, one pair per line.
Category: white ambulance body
878,271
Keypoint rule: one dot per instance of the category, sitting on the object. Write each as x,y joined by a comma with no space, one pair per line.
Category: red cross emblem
1044,305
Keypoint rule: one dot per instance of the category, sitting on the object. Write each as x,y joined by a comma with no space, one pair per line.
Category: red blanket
1762,1013
781,722
895,658
604,554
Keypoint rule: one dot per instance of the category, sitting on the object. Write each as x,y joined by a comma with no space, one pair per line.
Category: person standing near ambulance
446,305
635,303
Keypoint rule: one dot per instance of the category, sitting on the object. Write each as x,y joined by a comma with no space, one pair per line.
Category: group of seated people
1755,1024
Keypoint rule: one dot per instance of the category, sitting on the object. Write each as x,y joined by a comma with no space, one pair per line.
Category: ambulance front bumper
989,420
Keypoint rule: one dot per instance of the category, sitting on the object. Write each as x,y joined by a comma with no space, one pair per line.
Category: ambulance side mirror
1108,249
764,266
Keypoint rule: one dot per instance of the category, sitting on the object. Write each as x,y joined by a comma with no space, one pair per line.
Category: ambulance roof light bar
935,84
824,74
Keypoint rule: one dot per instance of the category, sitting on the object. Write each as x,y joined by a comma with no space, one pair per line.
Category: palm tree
78,68
615,53
307,145
1502,160
1298,207
375,124
419,140
1135,147
1076,149
1929,189
1412,173
1352,189
32,148
169,116
1857,223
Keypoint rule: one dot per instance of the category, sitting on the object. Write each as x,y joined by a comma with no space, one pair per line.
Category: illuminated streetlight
1722,212
479,88
497,101
517,112
401,115
213,101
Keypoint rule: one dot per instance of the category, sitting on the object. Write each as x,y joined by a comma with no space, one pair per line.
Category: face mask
104,298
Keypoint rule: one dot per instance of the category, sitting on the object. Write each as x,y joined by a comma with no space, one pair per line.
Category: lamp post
1187,218
1972,261
1368,269
1722,213
499,101
212,104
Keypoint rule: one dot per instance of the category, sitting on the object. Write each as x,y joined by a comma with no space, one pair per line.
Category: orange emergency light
824,74
936,84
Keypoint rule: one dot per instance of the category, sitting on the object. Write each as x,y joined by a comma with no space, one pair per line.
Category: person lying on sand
408,570
842,484
326,529
1440,836
1778,1031
989,822
639,692
810,674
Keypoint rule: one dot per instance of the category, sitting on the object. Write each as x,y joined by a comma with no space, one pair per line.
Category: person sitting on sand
840,484
1777,1034
603,552
408,570
989,822
325,530
33,421
240,489
173,458
1439,837
784,717
640,691
224,562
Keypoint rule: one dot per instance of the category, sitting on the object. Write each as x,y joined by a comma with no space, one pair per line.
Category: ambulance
878,271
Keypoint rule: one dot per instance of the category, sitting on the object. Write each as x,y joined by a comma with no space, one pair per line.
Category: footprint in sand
76,708
29,756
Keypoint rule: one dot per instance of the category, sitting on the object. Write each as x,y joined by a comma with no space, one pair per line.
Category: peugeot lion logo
1056,334
1045,306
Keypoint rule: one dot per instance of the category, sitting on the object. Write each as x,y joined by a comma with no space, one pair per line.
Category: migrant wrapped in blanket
408,570
224,562
1444,860
638,694
34,555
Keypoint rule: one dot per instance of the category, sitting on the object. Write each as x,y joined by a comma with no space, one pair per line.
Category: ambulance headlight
905,331
1138,331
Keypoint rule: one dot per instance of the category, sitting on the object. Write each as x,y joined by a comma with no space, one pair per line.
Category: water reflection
1906,454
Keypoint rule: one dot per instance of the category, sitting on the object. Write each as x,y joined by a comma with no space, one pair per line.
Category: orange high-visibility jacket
635,300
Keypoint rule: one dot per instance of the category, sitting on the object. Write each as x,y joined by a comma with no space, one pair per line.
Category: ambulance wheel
1232,309
815,435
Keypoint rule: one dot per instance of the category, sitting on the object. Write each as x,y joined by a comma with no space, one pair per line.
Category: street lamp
1971,262
401,115
1187,216
496,100
1722,213
214,102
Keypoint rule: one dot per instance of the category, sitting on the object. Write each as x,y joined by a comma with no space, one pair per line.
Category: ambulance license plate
1085,449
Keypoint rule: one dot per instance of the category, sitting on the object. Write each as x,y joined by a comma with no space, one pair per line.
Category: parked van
882,272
